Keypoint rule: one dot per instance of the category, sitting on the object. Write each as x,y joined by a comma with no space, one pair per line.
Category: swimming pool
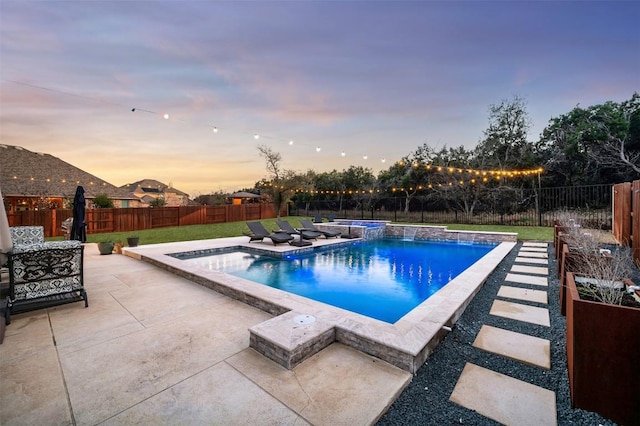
382,279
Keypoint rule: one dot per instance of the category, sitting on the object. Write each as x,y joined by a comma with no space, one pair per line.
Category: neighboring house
35,181
148,190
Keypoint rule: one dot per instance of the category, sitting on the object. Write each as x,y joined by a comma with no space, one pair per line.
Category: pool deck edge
406,344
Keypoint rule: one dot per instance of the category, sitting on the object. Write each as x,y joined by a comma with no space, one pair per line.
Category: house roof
36,174
152,186
243,194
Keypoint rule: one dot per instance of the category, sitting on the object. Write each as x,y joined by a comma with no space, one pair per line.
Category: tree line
599,144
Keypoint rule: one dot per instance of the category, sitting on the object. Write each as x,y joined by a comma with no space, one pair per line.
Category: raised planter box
603,346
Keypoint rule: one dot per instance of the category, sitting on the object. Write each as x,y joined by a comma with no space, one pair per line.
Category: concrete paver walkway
155,348
495,395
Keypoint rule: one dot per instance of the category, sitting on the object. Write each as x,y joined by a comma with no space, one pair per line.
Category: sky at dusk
363,78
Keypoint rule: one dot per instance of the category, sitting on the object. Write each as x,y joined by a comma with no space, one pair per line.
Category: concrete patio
154,348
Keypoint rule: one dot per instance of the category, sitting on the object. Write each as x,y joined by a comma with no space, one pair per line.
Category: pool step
291,338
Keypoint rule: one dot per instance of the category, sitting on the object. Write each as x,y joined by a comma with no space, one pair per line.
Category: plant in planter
133,241
603,332
106,247
118,247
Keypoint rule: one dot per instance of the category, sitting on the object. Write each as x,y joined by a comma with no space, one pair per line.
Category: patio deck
155,348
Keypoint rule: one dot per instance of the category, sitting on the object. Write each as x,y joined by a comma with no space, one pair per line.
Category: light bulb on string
166,116
290,143
364,157
256,136
215,129
317,149
384,160
343,154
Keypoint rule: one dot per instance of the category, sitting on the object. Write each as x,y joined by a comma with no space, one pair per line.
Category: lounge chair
303,233
259,233
307,225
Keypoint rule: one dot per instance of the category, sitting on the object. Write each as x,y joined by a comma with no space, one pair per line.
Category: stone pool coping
405,344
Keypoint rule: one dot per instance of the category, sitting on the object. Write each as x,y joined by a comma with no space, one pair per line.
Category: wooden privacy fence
135,219
626,216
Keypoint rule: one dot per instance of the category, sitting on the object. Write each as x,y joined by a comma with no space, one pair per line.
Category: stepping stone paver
520,312
503,398
533,244
533,254
526,294
530,350
539,270
534,249
527,279
532,260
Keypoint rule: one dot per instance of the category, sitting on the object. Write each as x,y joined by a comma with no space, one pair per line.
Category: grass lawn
234,229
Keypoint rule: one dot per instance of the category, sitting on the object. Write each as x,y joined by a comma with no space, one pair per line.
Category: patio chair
303,233
317,219
259,233
307,225
43,274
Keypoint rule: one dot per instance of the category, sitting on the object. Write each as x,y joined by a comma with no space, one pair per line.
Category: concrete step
534,244
535,270
533,254
527,279
504,399
521,347
520,312
532,260
534,249
526,294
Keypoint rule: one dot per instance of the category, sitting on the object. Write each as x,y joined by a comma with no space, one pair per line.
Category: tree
618,129
505,144
410,174
158,202
281,183
217,198
102,201
462,191
598,144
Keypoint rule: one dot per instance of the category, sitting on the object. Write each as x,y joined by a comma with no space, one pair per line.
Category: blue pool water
382,279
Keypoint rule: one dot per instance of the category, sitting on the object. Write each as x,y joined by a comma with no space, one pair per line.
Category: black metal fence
500,206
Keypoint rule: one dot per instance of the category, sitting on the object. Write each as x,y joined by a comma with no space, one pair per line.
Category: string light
493,173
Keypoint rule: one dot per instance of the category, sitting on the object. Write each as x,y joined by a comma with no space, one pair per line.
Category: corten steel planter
572,261
603,346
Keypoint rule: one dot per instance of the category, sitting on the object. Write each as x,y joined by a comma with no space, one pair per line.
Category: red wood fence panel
622,213
635,221
134,219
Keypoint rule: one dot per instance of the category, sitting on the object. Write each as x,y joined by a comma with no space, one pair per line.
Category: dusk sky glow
375,79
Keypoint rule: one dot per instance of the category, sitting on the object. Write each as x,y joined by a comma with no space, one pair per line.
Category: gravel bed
426,400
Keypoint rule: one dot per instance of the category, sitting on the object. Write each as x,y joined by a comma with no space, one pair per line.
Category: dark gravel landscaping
426,400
